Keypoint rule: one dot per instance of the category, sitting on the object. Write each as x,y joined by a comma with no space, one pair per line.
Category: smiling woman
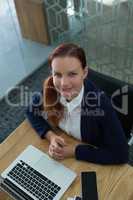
73,103
68,76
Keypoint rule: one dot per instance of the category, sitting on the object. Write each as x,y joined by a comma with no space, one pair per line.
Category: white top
72,113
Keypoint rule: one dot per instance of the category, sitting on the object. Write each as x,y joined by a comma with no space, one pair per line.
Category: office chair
117,89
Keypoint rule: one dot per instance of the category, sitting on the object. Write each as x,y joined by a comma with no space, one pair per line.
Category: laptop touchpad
47,165
54,170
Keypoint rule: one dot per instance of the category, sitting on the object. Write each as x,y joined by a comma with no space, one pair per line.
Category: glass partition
104,28
19,56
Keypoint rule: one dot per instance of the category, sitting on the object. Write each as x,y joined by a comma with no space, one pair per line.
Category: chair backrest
115,88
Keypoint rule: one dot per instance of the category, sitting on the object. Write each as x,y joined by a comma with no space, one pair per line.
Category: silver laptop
34,175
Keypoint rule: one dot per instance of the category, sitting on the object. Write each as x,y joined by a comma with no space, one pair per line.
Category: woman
73,103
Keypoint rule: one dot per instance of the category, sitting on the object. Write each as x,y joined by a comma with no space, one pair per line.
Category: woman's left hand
64,152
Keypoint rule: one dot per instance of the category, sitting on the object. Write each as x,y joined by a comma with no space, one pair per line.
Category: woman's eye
72,74
57,75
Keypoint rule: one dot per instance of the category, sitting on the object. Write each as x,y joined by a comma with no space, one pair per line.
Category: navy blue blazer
100,127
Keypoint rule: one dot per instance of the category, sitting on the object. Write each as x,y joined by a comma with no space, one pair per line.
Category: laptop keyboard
34,182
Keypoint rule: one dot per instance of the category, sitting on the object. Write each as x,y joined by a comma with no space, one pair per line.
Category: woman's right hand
56,145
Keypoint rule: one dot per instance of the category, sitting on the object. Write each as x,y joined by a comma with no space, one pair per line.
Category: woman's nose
64,81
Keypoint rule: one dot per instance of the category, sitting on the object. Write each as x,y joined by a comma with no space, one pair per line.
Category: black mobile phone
89,186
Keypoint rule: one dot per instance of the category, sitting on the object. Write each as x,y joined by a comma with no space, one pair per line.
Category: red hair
70,50
51,103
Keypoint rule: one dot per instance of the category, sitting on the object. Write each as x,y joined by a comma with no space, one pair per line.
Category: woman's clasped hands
58,148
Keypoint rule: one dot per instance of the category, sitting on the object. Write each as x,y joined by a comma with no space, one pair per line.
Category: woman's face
68,76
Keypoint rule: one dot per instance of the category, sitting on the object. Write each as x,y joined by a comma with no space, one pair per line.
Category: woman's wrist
49,135
74,149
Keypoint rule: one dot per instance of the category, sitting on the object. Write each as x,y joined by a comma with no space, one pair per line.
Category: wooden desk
113,182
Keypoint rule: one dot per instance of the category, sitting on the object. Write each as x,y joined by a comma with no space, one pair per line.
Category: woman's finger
57,156
60,141
57,149
53,153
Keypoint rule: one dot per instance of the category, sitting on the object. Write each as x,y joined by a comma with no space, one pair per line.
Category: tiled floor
12,116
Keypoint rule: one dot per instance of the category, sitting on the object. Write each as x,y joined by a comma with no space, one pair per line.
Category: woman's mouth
66,92
66,89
